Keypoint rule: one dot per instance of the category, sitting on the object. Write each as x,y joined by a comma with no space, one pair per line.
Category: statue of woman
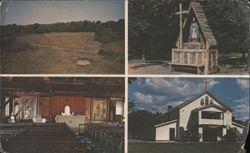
194,32
66,111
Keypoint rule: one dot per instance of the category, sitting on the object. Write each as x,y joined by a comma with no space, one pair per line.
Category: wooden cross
206,82
181,25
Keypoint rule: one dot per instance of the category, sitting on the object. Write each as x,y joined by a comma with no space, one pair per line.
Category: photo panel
188,37
63,37
190,115
62,114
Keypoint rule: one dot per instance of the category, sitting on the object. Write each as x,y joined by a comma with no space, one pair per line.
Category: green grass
16,47
110,55
182,148
233,60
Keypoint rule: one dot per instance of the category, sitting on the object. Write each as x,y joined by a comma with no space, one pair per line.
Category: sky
155,94
51,11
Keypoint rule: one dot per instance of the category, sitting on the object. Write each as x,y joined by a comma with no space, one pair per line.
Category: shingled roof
200,15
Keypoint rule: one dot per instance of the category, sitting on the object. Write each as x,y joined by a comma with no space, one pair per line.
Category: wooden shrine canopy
196,44
196,11
96,87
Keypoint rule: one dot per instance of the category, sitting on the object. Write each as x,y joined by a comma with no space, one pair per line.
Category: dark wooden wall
49,107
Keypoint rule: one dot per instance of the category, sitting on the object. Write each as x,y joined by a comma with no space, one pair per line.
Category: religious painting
99,110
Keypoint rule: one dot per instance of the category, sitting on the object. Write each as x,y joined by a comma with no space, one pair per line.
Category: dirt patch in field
58,53
70,40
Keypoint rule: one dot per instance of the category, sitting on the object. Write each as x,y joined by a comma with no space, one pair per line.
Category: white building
205,117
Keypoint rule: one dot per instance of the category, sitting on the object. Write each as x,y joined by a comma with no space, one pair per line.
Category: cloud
212,83
146,98
156,94
143,98
174,86
241,108
243,83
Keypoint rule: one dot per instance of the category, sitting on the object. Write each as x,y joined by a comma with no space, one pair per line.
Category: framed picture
99,110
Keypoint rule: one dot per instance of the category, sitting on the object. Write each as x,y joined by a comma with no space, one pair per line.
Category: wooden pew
109,136
49,138
12,130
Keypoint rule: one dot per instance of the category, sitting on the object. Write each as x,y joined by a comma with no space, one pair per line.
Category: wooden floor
45,138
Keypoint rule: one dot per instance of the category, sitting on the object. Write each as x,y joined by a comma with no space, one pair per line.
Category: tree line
154,26
104,31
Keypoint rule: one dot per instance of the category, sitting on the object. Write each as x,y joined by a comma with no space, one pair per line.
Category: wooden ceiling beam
75,86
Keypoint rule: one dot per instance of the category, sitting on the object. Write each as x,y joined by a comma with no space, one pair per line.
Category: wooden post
188,57
1,105
181,57
216,58
196,58
173,56
181,26
181,39
11,105
211,57
206,63
143,56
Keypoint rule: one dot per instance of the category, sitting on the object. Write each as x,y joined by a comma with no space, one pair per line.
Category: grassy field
182,148
59,53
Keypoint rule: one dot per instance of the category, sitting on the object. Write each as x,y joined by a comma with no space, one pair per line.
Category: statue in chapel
66,111
194,34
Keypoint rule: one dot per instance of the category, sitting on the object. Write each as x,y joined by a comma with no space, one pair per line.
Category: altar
72,121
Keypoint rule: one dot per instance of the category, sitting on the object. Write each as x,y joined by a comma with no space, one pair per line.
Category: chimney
170,107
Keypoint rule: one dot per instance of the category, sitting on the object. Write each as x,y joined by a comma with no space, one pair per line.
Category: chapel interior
62,114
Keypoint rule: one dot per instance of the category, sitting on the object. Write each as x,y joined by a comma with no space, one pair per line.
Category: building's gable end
204,94
220,102
196,102
162,131
186,110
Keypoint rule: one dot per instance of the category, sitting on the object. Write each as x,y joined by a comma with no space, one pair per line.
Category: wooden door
172,134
